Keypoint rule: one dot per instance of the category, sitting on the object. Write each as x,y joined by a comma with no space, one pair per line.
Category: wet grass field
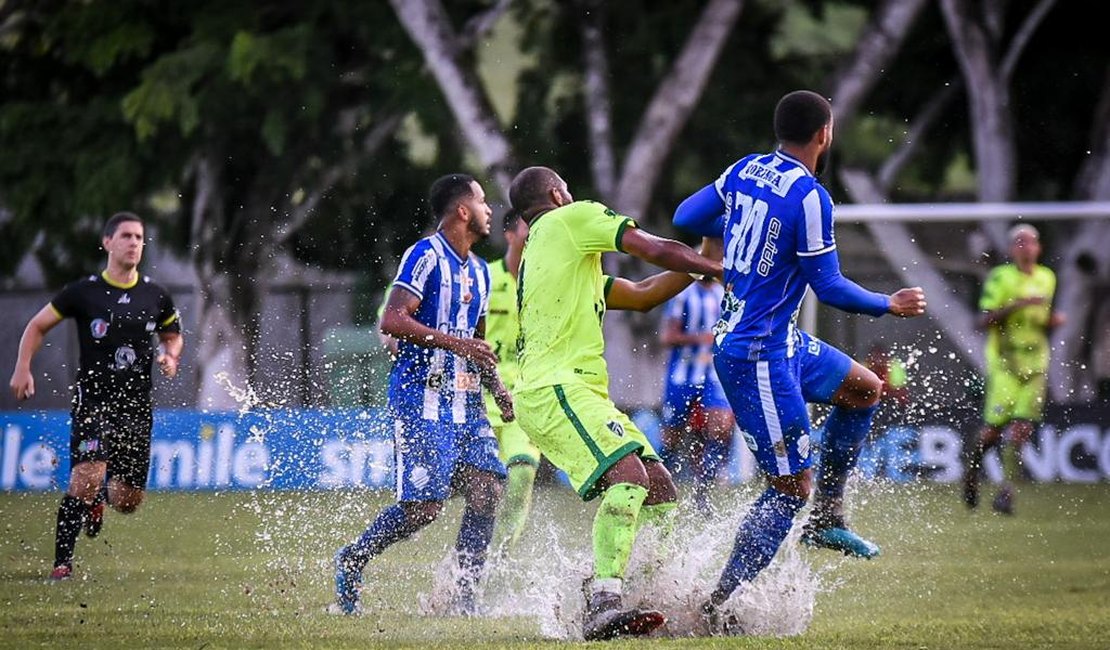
253,570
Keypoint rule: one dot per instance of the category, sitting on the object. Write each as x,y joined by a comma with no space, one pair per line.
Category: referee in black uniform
118,312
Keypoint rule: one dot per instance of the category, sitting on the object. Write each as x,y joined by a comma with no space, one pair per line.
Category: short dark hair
115,220
799,115
447,190
530,188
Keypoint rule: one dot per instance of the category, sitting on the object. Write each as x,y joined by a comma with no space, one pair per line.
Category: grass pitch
253,570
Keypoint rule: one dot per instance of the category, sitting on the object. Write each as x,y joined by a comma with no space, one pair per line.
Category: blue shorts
428,454
769,399
679,400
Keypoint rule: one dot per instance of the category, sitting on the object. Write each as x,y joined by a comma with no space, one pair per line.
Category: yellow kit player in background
519,455
1017,313
562,395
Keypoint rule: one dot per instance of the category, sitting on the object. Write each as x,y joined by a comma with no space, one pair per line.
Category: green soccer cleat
839,538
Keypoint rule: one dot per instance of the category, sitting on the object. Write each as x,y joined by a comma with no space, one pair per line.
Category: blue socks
758,539
471,545
390,526
842,440
715,454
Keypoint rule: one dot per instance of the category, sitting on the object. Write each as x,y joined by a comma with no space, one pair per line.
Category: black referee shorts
114,430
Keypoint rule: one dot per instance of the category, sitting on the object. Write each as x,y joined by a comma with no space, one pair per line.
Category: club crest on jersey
616,428
99,328
464,281
125,357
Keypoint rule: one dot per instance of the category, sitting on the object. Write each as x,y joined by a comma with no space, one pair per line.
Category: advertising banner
344,448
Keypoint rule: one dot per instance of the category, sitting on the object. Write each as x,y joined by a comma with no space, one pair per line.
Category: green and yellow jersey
1019,345
502,330
562,295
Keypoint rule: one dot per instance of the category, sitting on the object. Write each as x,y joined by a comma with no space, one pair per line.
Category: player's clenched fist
908,302
23,384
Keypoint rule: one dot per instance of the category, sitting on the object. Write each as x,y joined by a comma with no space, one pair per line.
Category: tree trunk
430,28
975,37
877,46
674,100
1084,266
219,349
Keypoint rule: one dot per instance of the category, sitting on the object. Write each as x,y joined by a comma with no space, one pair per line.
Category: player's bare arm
667,253
996,317
657,289
23,381
169,352
398,322
648,293
491,380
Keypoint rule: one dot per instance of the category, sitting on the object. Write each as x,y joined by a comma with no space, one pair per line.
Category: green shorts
1009,397
514,446
580,431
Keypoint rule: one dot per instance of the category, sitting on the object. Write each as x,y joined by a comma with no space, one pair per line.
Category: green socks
515,506
615,529
659,515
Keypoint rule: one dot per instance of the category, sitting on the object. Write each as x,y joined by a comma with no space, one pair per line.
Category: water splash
244,396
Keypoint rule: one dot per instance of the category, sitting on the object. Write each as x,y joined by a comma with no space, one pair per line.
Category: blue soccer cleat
348,584
839,537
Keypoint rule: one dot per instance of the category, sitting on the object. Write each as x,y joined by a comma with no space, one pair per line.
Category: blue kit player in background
443,440
696,415
777,224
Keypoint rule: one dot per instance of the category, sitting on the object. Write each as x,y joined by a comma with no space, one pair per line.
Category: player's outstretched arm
398,322
702,213
647,293
23,381
657,289
667,253
822,272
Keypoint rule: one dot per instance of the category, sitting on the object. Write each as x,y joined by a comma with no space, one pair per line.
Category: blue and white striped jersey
775,214
697,308
454,297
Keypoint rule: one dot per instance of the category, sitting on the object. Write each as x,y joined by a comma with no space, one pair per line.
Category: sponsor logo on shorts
99,328
803,446
616,427
814,347
419,477
749,440
86,446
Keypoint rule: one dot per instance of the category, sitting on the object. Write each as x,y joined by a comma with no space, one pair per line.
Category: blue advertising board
290,449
